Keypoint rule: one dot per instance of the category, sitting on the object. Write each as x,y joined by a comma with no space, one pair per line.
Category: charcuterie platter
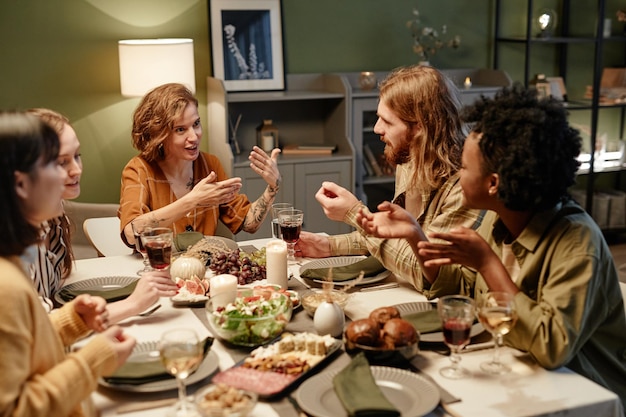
272,371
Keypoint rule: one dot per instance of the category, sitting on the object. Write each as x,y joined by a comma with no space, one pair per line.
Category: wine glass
181,353
457,316
276,207
139,226
158,244
497,314
290,221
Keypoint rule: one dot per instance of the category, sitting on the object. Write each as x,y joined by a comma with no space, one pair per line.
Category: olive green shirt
570,307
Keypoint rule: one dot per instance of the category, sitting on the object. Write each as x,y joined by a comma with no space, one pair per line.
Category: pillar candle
223,284
276,262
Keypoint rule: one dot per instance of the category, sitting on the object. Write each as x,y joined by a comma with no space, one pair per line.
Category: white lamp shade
149,63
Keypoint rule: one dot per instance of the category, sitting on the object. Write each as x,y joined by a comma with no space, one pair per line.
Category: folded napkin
357,390
137,373
425,321
370,266
184,240
109,295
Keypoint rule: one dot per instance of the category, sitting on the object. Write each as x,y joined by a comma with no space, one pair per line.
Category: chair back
104,235
622,286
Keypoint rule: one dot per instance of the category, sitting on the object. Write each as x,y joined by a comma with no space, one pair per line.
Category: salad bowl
248,317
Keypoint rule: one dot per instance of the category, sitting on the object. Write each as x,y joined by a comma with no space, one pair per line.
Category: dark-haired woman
37,377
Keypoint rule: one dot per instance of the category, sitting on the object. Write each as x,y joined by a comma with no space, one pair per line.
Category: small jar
267,136
367,80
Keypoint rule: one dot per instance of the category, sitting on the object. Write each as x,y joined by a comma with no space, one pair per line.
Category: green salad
252,319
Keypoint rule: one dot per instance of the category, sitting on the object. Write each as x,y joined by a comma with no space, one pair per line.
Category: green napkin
370,266
184,240
361,397
425,321
137,373
109,295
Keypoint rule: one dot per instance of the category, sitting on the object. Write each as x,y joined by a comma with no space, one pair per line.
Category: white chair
104,235
622,286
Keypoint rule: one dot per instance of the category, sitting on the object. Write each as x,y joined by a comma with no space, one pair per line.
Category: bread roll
363,332
399,332
383,314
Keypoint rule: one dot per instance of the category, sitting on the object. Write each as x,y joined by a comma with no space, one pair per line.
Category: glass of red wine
158,244
457,316
290,221
139,226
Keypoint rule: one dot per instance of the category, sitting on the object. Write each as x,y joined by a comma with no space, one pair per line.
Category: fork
149,311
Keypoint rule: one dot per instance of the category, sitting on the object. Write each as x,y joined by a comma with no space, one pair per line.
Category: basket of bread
384,336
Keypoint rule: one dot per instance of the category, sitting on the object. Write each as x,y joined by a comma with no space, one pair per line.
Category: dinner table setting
343,376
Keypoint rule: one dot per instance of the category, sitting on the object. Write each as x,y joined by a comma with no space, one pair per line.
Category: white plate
230,244
96,284
194,301
148,351
434,337
410,393
337,261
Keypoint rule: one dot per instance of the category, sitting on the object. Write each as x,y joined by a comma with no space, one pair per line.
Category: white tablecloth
528,390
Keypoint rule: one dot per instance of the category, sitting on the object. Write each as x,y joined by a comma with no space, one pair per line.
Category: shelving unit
362,106
311,111
579,33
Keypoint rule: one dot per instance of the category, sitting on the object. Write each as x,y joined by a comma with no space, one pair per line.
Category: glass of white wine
181,353
497,314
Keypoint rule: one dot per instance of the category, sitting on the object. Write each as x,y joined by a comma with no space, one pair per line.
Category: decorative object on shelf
557,88
267,136
467,83
621,17
367,80
233,134
294,149
542,85
546,21
427,40
247,44
606,29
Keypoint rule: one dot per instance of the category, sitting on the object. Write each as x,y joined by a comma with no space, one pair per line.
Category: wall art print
247,44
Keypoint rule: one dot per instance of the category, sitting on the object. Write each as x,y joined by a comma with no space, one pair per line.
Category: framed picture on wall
247,44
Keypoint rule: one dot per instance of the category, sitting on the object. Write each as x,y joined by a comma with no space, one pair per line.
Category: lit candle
467,83
221,284
276,262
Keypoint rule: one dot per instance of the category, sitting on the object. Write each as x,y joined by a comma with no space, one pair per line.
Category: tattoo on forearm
273,189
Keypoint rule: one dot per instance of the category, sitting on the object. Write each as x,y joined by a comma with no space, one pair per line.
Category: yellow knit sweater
37,378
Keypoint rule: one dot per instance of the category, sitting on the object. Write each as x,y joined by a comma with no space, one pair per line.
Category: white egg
329,319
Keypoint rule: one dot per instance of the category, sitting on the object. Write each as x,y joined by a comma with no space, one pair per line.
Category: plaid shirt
439,211
145,188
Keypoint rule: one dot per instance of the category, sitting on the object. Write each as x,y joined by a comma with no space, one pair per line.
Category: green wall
62,54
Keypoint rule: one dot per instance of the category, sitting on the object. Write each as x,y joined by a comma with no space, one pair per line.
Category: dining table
527,390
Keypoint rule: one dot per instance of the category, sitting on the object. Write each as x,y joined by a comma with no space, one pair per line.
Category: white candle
276,262
268,143
224,283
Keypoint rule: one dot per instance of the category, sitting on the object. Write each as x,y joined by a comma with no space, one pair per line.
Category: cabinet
577,51
311,111
372,189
